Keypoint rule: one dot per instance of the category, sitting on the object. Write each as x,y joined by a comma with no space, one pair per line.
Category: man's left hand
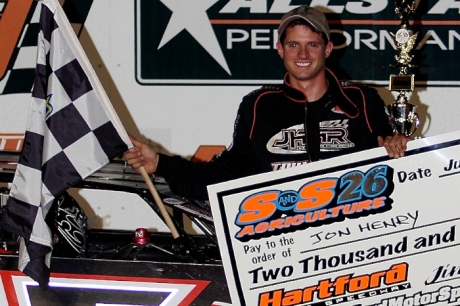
395,145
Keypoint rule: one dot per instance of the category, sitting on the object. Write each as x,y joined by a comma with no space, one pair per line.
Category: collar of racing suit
340,98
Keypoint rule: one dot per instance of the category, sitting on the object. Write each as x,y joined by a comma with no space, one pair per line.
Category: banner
236,41
361,229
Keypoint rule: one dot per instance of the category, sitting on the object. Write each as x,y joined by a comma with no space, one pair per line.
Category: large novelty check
361,229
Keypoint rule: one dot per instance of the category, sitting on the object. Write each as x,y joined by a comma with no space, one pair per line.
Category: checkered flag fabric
72,131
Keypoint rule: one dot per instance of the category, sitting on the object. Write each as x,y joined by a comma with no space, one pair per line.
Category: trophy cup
405,119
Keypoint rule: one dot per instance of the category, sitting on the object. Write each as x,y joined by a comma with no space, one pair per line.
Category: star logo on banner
191,16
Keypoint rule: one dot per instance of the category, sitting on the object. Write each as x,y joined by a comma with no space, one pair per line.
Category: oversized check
361,229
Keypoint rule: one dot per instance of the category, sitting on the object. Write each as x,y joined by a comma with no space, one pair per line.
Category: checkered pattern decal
72,131
20,75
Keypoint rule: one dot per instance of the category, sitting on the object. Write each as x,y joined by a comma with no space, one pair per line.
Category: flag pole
159,202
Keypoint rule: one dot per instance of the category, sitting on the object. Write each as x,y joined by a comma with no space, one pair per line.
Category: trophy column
405,119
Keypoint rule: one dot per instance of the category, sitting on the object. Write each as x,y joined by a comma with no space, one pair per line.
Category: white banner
361,229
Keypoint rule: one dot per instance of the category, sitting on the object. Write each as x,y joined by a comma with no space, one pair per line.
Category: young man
311,116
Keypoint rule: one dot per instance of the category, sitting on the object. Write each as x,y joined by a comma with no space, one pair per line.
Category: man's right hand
141,155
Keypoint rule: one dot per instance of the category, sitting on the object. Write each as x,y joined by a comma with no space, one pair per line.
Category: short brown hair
297,22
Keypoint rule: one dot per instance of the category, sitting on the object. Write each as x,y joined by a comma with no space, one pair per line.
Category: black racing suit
270,129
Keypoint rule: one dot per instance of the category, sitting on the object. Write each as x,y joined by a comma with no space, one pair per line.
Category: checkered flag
72,131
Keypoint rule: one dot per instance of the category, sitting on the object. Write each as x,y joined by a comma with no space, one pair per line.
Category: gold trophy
403,113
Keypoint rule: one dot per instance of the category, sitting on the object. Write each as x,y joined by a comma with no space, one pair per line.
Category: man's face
304,54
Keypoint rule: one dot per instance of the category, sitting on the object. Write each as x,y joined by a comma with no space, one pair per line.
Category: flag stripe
59,174
104,134
41,77
19,213
77,86
33,263
47,23
70,115
29,156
